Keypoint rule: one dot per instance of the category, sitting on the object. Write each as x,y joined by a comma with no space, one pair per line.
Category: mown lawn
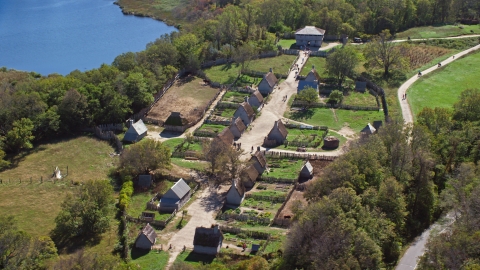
149,259
189,164
359,99
279,64
443,87
236,97
326,117
224,74
174,143
287,43
439,31
212,128
318,62
283,168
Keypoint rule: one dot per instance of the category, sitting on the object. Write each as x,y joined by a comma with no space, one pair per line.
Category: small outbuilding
207,240
236,193
303,84
175,197
360,86
176,122
307,171
256,99
245,112
259,162
226,137
146,238
368,130
278,133
313,76
237,127
267,84
249,176
144,180
309,36
136,131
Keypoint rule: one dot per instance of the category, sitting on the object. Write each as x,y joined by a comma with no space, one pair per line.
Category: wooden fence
109,136
297,103
275,199
217,122
251,234
271,180
281,221
260,74
245,218
229,105
202,133
300,126
278,154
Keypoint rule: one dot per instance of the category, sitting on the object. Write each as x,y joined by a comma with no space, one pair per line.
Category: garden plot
283,168
234,97
190,96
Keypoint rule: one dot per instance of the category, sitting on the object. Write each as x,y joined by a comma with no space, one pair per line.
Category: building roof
149,232
177,191
176,119
238,123
270,78
250,173
258,95
280,127
134,130
368,129
248,109
145,180
238,186
313,73
304,84
311,31
207,237
226,136
261,158
360,86
308,167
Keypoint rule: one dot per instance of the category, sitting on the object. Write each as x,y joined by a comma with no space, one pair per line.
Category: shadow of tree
137,253
302,114
194,257
213,201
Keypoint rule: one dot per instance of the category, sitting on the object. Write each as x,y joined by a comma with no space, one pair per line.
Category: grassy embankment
443,87
439,31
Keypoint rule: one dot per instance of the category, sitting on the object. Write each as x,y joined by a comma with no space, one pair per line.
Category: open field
189,96
336,119
318,62
359,99
439,31
279,64
443,87
87,158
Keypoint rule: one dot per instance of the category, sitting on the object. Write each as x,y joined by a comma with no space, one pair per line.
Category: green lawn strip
224,74
235,97
283,168
172,143
359,99
261,205
212,128
443,87
196,259
149,259
87,158
273,193
280,64
342,139
228,112
189,164
287,43
318,62
239,239
357,120
439,31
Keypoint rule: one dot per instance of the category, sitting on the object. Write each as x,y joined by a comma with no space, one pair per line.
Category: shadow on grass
230,65
170,134
70,245
138,252
302,114
199,258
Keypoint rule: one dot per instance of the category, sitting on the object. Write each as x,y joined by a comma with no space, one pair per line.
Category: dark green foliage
308,95
125,194
335,97
145,157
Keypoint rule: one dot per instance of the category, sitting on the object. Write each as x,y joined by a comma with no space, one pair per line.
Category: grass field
212,128
318,62
236,97
189,164
439,31
283,168
359,99
287,43
224,74
279,64
336,119
149,259
443,87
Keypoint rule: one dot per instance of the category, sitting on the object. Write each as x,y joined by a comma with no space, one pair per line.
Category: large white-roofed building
309,36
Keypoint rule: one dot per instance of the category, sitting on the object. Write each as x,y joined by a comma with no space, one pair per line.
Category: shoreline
132,13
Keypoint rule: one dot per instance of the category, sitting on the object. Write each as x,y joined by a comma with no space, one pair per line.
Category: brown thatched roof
238,123
149,232
226,136
261,158
250,173
281,127
248,108
176,119
207,237
270,78
258,95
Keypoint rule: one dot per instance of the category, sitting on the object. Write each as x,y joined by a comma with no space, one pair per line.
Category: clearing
439,31
442,88
189,96
359,99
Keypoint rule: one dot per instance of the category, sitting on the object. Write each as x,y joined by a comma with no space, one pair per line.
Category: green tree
244,54
20,136
467,108
392,202
382,53
335,97
73,111
145,157
309,96
86,213
342,63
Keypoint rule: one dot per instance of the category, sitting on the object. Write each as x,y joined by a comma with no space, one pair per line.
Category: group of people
404,96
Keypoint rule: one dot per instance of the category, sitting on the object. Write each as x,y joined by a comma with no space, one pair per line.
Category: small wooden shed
267,83
136,131
249,176
256,99
175,197
236,193
307,171
207,240
259,162
146,238
245,112
278,132
237,127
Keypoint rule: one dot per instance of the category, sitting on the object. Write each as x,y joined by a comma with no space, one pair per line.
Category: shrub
335,97
125,194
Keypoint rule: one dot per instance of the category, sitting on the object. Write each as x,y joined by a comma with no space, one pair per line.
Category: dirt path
406,110
201,210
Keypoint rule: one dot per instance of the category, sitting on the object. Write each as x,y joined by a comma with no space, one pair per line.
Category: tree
308,95
342,63
144,157
382,53
73,111
225,161
244,54
335,97
20,136
85,213
467,108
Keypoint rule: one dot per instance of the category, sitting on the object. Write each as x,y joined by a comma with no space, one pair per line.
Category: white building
309,36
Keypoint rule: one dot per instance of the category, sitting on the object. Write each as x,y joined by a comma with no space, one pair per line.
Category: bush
335,97
125,194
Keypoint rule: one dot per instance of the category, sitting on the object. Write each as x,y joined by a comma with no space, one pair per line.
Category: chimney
271,70
130,122
313,67
245,99
215,229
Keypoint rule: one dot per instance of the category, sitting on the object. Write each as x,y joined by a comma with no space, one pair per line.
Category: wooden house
259,162
267,84
368,130
249,176
303,84
256,99
207,240
136,131
146,238
236,193
312,76
226,137
307,171
175,197
245,112
176,122
237,127
309,36
278,133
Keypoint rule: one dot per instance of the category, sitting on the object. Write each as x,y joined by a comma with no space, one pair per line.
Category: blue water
48,36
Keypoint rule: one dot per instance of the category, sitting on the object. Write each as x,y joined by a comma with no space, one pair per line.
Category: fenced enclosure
278,154
302,104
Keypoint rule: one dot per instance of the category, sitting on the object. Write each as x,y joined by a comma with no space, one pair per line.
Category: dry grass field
189,96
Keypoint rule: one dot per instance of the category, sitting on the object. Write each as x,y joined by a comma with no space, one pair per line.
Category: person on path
405,95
